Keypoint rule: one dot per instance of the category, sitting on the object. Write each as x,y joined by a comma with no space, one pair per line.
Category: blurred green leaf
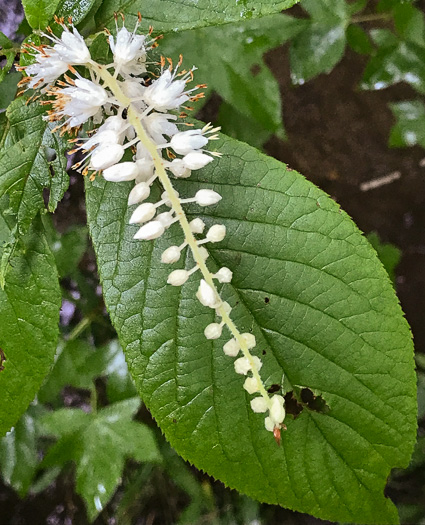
166,15
319,47
410,23
68,248
39,12
331,322
388,254
100,444
8,51
29,313
119,384
409,129
8,89
358,40
76,9
230,61
18,452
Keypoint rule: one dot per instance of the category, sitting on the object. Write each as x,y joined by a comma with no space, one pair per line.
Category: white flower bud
268,423
171,255
204,253
145,170
139,193
213,331
216,233
121,172
143,213
166,218
231,348
207,295
226,307
106,136
224,275
196,160
257,362
106,156
197,225
277,412
165,197
251,385
149,231
207,197
178,277
178,169
250,340
242,366
185,142
259,404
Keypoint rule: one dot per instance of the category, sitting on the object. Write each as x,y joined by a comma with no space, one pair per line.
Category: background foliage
73,441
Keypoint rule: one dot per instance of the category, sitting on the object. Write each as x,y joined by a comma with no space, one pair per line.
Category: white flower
165,93
249,340
71,47
139,193
224,275
46,69
158,125
196,160
259,404
149,231
121,172
231,348
197,225
207,197
106,156
178,168
207,296
277,412
216,233
178,277
185,142
213,331
128,48
143,213
171,255
251,385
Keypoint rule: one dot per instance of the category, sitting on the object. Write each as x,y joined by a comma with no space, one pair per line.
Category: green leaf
76,9
29,313
409,129
30,151
6,50
100,443
324,313
18,452
388,254
230,61
321,45
167,15
39,12
410,23
68,248
8,89
358,40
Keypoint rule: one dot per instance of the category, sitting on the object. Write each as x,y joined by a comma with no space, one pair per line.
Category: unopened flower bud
106,156
196,160
178,277
171,255
231,348
165,197
216,233
268,423
277,412
197,225
185,142
251,385
143,213
166,218
224,275
204,253
149,231
178,169
207,295
242,366
121,172
250,340
207,197
259,404
213,331
139,193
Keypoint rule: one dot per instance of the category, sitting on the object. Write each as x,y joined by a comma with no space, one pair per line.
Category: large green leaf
99,443
29,313
324,313
230,60
169,15
39,12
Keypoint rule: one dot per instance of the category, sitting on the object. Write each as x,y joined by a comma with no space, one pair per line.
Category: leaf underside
311,289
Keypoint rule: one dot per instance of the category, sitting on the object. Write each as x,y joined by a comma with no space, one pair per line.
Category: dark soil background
338,139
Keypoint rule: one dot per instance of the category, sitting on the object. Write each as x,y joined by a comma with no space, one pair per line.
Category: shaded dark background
338,138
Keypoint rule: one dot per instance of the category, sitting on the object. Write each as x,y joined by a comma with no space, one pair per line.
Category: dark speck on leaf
267,300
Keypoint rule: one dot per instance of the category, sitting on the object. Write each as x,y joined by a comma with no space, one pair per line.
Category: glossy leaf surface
311,289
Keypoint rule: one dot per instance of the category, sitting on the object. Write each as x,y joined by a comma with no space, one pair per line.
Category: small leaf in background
171,16
388,254
319,47
18,452
100,444
7,50
311,289
29,313
409,129
398,59
8,89
39,12
230,61
358,40
77,9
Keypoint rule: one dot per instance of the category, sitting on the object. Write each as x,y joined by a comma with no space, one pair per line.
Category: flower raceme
128,112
